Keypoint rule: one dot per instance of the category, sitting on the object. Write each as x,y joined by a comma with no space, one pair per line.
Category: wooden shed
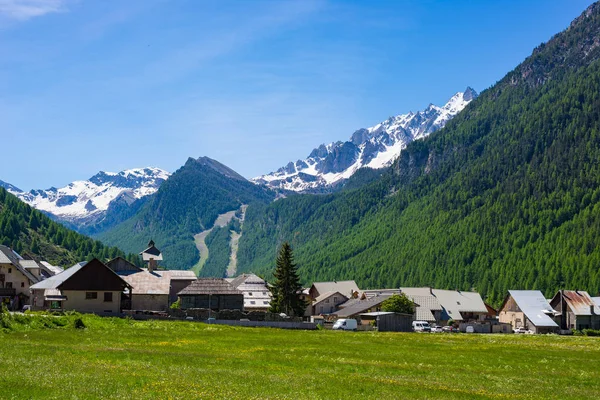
389,321
214,293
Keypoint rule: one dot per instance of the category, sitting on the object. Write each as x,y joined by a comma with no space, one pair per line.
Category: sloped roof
29,264
92,277
326,296
535,307
344,287
579,302
597,301
209,286
178,275
144,282
425,302
247,279
455,301
349,303
52,268
55,281
362,305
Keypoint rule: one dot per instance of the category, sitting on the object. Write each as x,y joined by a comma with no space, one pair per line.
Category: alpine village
452,252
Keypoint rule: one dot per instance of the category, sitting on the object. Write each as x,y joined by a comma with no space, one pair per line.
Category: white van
421,326
345,324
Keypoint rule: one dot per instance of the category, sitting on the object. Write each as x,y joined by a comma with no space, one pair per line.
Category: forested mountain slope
186,204
31,233
506,196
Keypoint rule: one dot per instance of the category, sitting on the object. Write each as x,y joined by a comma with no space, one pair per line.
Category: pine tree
287,288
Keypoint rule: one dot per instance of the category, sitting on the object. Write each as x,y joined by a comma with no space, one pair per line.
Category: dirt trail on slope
199,239
235,240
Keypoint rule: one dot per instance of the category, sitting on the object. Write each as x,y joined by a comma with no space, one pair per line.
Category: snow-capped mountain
374,147
83,202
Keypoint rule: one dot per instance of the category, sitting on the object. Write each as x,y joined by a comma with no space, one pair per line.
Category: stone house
89,287
577,310
211,293
528,309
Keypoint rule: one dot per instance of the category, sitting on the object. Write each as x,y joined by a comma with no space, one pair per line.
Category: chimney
151,265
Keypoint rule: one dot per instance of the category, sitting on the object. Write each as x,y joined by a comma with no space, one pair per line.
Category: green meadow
124,359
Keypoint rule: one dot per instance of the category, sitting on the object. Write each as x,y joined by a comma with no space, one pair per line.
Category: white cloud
23,10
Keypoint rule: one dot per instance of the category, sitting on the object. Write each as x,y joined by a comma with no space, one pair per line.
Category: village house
577,310
89,287
326,303
257,296
528,309
152,289
211,293
15,280
461,306
346,288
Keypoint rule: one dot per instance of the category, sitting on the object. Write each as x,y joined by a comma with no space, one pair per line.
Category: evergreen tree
287,288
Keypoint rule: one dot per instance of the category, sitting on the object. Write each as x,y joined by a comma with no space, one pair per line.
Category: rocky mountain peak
374,147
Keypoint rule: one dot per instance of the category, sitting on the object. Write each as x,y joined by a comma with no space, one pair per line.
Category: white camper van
345,324
421,326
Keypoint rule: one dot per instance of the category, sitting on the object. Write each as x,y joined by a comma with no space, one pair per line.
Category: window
9,270
327,301
22,284
265,302
252,302
108,297
91,295
264,293
249,293
335,299
9,285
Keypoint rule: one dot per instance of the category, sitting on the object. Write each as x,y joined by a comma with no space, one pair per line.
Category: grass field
123,359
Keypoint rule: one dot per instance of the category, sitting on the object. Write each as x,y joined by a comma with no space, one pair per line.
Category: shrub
176,305
78,323
398,303
591,332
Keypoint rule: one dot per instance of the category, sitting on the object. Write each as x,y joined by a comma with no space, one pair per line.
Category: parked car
345,325
421,326
449,329
437,329
523,330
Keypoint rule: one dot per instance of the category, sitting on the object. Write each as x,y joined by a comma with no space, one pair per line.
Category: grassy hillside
31,233
187,203
507,195
119,358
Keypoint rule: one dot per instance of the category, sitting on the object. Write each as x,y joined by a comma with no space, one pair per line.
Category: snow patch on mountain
82,201
375,147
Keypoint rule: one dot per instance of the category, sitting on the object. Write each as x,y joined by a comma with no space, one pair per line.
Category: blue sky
89,85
